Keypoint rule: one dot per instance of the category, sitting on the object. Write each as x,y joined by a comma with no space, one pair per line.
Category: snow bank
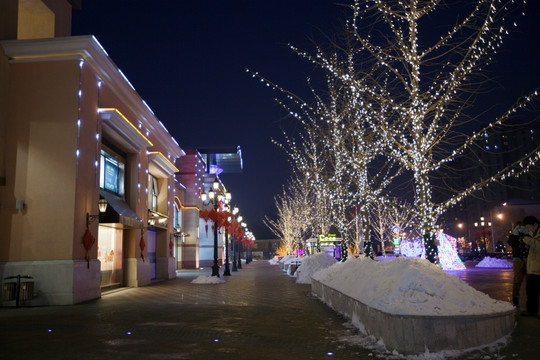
207,280
312,264
407,286
273,261
489,262
290,259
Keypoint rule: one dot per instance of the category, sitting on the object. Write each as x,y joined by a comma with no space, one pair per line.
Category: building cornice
90,50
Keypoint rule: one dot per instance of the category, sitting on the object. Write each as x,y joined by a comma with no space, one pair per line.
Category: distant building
499,204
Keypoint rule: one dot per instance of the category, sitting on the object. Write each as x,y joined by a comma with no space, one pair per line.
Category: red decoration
213,215
88,240
482,233
171,247
205,214
224,219
206,228
142,244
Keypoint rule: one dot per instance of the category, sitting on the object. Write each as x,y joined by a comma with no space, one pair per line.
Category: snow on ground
312,264
207,280
489,262
408,286
290,259
273,261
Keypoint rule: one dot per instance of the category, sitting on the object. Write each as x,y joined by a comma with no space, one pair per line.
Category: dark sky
187,60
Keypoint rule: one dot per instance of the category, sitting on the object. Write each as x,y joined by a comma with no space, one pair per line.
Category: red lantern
142,244
88,240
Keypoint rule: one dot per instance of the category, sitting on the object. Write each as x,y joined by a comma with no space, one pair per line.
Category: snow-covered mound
207,280
489,262
290,259
407,286
273,261
312,264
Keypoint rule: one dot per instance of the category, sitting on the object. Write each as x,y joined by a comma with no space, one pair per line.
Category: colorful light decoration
448,252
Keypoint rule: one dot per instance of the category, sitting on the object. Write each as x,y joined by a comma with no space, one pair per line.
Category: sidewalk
258,313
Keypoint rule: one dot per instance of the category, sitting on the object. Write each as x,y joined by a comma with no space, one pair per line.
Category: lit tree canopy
398,102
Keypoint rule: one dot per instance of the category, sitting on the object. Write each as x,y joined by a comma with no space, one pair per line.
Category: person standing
519,258
532,239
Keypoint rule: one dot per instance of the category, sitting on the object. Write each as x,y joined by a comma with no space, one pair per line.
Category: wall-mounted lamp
102,205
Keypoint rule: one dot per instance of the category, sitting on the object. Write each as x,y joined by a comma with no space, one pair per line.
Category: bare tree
399,101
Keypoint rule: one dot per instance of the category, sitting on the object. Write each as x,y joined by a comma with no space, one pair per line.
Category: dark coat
519,248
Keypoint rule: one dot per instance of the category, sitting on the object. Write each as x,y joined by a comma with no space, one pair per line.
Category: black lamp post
240,246
234,268
227,271
213,198
233,240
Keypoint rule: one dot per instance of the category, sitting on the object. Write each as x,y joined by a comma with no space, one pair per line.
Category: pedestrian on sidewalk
532,239
519,258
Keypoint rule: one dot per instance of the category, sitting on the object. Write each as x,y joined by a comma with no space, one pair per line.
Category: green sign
329,237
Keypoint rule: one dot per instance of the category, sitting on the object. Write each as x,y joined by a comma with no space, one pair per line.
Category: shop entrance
151,253
110,255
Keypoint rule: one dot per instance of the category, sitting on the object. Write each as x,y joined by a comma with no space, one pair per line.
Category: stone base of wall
55,282
417,334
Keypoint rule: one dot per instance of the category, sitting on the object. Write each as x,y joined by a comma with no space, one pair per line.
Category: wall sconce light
102,205
19,204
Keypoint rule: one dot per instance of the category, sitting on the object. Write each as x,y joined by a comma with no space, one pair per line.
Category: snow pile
273,261
290,259
408,286
312,264
207,280
489,262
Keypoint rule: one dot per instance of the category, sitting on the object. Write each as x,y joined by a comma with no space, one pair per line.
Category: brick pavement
258,313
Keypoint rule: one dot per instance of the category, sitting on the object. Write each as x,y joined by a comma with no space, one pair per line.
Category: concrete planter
415,334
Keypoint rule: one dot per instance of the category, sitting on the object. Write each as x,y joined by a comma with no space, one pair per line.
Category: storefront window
153,192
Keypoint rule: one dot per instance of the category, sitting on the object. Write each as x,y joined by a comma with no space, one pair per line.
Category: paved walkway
259,313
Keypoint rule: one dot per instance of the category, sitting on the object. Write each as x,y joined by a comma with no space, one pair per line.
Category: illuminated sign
329,237
111,175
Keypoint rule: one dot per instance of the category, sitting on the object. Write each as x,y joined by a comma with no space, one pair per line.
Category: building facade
74,135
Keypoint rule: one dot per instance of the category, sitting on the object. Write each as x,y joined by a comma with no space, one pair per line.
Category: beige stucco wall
35,20
40,152
4,83
4,91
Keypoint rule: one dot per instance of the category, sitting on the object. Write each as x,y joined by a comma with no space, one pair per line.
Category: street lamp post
214,199
227,271
239,266
233,240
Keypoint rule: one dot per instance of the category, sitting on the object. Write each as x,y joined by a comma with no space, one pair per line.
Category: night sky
187,60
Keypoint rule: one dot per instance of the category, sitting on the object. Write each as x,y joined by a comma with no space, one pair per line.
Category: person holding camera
519,258
532,239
